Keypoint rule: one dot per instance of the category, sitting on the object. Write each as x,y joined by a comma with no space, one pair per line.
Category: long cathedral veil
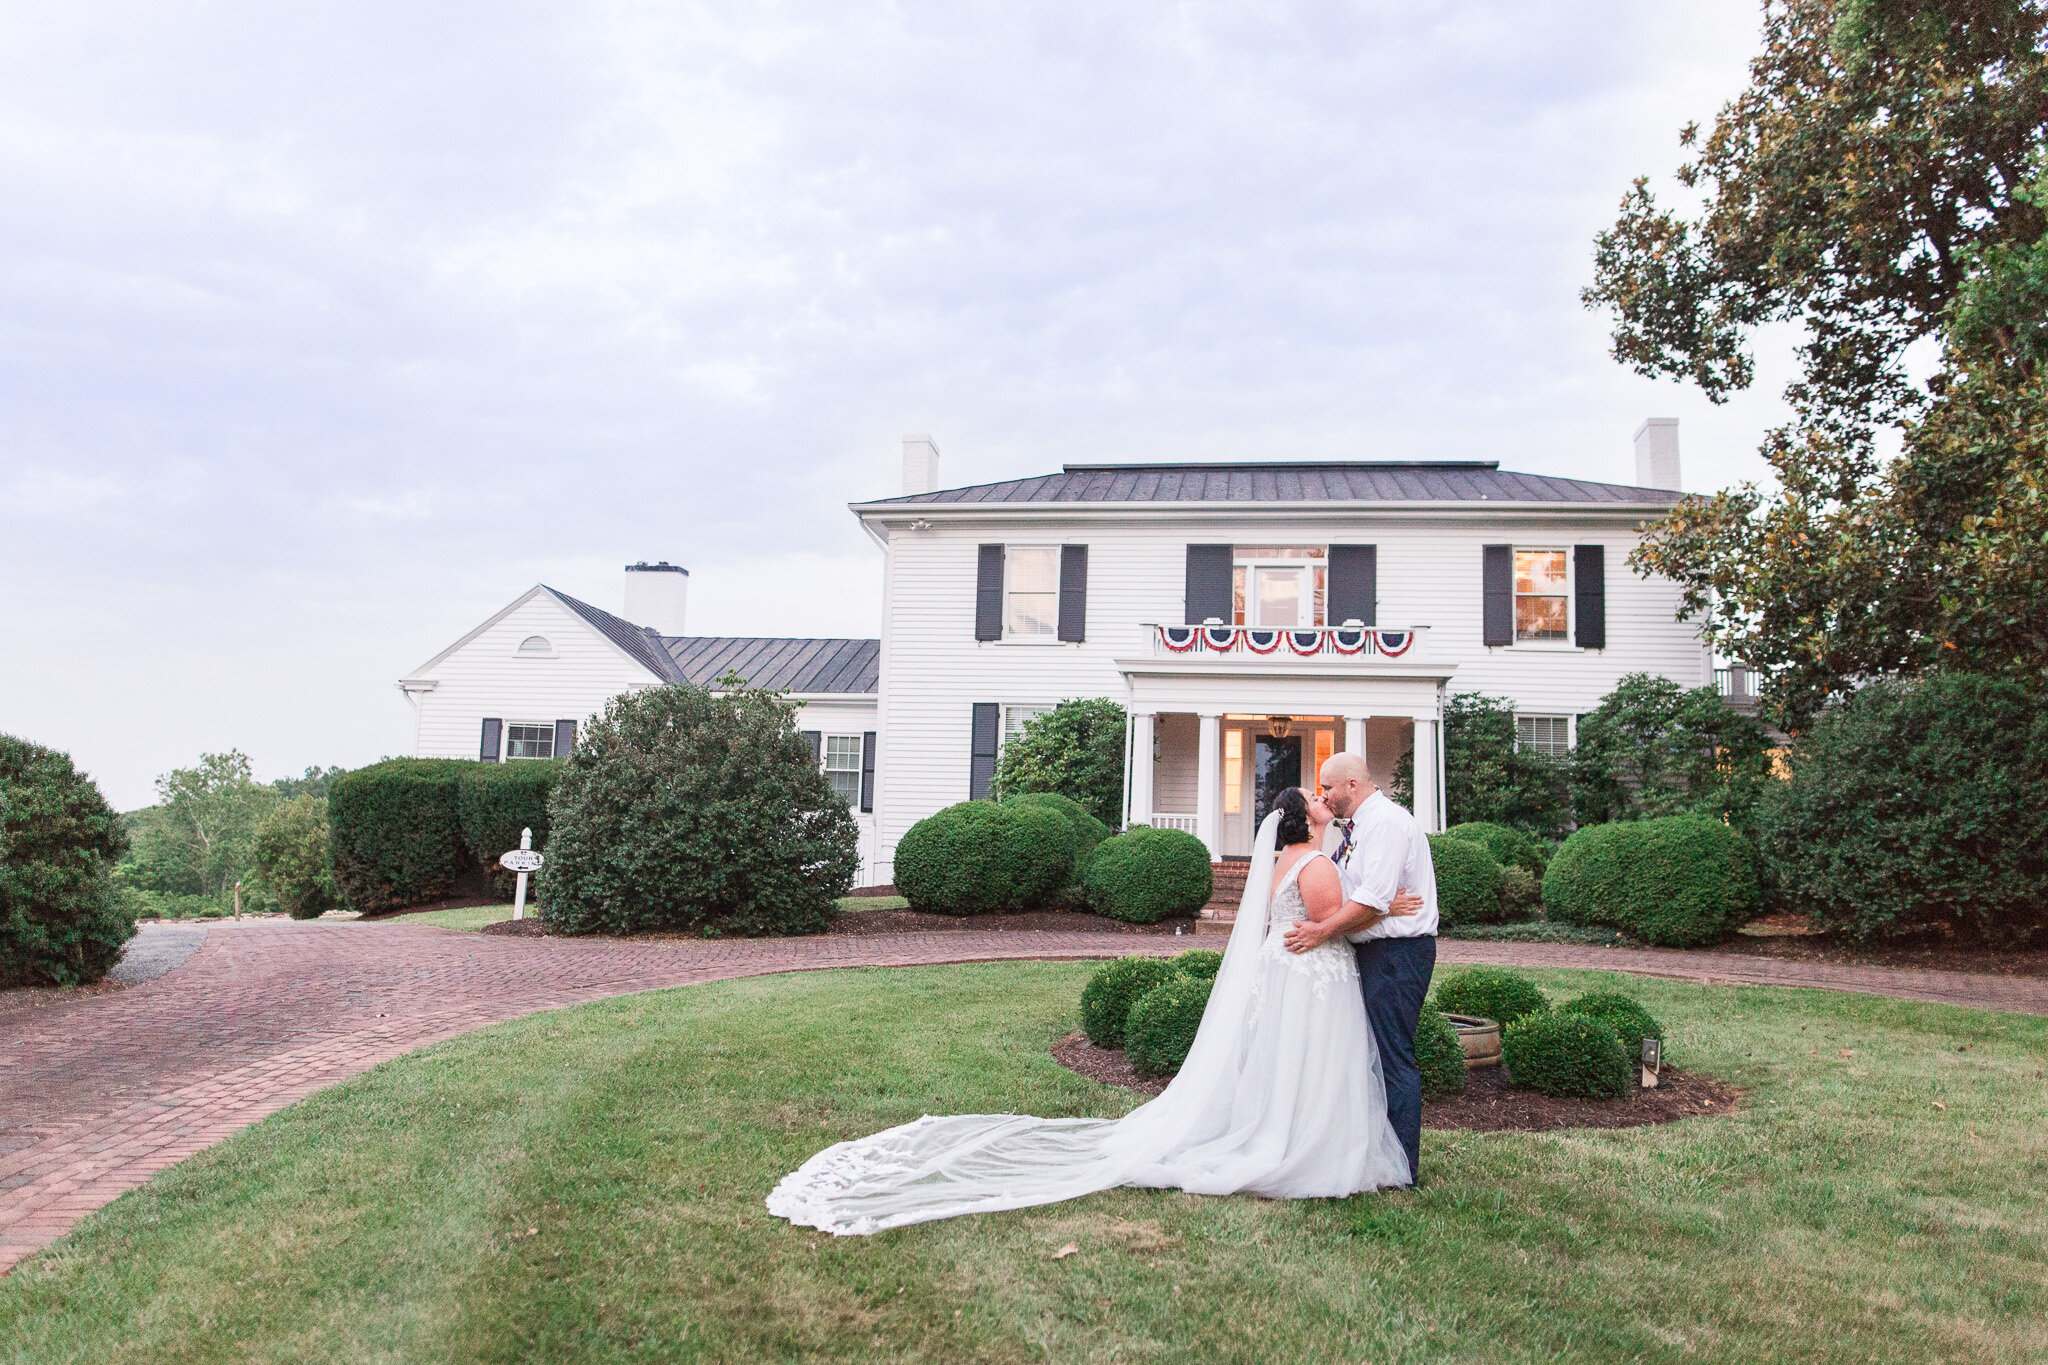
983,1163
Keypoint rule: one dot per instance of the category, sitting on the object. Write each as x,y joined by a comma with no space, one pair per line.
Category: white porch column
1209,783
1141,769
1427,802
1354,735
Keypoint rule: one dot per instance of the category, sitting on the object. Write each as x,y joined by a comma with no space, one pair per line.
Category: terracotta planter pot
1480,1038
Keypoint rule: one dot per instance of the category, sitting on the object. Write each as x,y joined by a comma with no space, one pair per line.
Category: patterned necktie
1343,844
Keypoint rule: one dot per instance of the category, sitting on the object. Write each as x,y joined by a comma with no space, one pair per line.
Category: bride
1280,1095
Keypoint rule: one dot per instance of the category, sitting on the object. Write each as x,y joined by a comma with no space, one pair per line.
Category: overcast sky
328,329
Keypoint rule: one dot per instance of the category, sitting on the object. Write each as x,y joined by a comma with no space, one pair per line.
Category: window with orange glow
1233,771
1326,744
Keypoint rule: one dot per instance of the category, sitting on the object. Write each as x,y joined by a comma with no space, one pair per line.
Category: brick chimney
1657,454
656,595
920,464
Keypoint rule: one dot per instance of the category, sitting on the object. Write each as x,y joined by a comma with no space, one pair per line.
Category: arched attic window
536,645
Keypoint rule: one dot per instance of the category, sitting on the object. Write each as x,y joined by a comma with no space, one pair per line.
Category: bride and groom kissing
1301,1082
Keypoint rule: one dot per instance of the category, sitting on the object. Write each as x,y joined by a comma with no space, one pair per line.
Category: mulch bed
1488,1104
530,927
865,922
1928,954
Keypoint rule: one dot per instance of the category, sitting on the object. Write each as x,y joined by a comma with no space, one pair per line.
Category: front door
1276,765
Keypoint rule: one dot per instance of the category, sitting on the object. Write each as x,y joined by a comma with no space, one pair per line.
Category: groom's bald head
1346,782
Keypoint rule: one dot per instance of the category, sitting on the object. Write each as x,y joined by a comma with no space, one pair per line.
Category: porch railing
1321,642
1737,685
1163,820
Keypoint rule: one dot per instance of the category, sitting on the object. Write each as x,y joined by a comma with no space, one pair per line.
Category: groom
1381,849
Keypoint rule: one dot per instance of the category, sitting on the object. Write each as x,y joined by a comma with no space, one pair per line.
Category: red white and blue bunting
1338,641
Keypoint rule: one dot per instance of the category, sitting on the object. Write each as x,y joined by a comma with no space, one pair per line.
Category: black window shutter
981,771
1589,588
487,749
1209,590
816,739
1073,592
1354,584
988,594
565,737
1497,578
867,770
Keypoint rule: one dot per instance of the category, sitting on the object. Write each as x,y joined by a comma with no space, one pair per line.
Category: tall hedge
684,810
1916,805
61,921
979,857
495,802
1683,881
395,829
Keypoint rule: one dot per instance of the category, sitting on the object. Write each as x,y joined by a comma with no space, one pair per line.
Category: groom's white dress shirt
1388,851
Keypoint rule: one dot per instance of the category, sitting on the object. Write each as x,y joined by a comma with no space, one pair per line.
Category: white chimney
1657,454
920,464
656,595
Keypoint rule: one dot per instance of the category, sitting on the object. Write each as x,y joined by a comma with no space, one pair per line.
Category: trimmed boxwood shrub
1566,1056
495,802
1494,993
395,831
62,923
1163,1024
1680,882
1915,805
684,810
1468,881
1509,847
1088,831
1116,986
1202,962
1622,1013
1144,875
983,858
1521,895
1439,1056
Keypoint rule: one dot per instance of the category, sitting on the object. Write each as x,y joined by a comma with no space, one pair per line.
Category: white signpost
521,860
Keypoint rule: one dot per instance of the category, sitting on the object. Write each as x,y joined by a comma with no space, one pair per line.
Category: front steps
1221,912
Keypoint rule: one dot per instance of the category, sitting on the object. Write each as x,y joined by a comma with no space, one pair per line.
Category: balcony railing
1737,686
1323,642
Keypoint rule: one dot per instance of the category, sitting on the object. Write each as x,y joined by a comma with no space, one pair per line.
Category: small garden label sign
522,860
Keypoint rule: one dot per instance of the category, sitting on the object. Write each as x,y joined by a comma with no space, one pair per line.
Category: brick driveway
100,1091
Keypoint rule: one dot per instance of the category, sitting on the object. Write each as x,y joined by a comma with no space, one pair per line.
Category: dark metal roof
1317,481
780,665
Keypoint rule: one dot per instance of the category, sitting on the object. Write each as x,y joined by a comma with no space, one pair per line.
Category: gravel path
156,949
100,1090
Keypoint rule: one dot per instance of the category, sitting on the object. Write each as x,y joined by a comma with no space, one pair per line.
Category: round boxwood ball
1566,1056
1202,962
1088,831
1491,993
1467,881
1622,1013
1438,1055
1163,1025
1107,998
983,858
1680,882
1509,847
1144,875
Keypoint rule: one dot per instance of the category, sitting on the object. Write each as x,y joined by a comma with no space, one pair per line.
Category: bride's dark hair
1293,808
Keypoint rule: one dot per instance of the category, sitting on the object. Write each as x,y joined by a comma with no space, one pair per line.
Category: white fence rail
1163,820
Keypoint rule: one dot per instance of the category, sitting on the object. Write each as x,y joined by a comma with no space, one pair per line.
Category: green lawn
850,904
463,917
586,1186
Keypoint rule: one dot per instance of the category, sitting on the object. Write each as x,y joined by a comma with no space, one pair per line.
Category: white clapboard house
1252,618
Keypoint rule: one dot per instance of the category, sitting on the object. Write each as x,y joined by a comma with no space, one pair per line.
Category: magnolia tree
1076,750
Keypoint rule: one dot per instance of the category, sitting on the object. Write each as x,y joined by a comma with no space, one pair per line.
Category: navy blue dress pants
1393,974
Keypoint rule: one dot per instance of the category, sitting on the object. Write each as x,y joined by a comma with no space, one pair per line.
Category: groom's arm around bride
1383,850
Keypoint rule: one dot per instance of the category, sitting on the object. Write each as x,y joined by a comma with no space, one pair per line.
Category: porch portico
1214,736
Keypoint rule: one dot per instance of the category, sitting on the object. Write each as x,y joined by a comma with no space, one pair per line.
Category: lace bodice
1326,966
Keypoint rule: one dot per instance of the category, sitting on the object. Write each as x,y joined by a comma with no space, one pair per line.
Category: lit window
529,741
1544,734
1279,586
1541,597
1031,590
842,766
1015,718
536,644
1326,745
1233,771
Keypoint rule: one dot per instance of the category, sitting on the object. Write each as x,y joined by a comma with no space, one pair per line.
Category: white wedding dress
1281,1095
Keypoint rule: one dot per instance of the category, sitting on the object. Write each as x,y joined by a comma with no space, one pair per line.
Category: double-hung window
1015,718
842,766
1542,596
1544,734
529,741
1031,591
1279,586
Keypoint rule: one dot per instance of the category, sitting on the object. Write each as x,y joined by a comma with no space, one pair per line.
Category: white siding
1428,575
